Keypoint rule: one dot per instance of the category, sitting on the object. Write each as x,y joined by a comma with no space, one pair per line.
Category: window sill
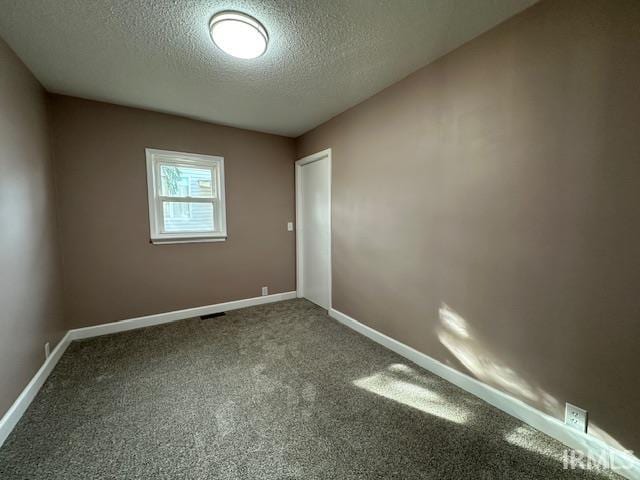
163,241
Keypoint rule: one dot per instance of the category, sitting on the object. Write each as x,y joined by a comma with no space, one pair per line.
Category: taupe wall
30,287
111,270
504,181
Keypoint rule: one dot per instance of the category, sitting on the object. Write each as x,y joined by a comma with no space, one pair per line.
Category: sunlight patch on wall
453,322
402,384
455,334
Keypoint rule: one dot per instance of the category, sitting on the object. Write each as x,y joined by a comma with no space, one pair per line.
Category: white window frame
156,222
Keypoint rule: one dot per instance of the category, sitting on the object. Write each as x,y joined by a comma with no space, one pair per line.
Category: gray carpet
278,391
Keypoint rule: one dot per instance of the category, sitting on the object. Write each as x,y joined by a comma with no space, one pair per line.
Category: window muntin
186,196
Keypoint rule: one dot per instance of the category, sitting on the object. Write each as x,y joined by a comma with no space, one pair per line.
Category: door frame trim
299,264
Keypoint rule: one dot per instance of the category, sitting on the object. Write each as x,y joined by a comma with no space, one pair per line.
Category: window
186,197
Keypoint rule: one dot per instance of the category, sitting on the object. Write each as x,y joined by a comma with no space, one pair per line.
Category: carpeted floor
279,391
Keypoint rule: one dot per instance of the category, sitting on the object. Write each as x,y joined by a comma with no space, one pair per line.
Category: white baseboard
13,415
627,465
15,412
160,318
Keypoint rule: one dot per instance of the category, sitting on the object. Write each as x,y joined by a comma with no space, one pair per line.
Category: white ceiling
324,56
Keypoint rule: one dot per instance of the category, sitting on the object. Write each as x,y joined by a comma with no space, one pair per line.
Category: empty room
328,239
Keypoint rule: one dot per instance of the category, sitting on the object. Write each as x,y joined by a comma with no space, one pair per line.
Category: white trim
160,318
514,407
153,159
298,229
168,241
15,412
299,264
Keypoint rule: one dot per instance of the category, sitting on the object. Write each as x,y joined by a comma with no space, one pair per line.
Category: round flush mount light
238,34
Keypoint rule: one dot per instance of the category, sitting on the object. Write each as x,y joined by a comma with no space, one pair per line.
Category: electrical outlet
576,417
265,291
47,350
290,226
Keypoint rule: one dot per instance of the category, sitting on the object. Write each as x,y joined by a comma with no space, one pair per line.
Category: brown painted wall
504,181
30,287
111,270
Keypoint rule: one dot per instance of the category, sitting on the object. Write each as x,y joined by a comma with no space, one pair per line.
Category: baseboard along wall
19,407
621,462
15,412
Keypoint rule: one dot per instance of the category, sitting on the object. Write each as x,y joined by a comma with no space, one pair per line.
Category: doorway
313,228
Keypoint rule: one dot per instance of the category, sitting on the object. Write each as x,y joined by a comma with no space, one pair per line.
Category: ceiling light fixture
238,34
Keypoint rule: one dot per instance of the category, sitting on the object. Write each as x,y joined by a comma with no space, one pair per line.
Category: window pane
183,217
185,181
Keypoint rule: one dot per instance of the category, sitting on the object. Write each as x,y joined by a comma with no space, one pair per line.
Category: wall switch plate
576,417
265,291
290,226
47,350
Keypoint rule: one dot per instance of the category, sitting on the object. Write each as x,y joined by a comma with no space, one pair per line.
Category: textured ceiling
324,56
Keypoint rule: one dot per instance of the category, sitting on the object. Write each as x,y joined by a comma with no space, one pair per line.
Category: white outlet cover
47,350
265,291
576,417
290,226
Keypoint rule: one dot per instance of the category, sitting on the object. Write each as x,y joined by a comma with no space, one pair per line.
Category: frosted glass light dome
238,34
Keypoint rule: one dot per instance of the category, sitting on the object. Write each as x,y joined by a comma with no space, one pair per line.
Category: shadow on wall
457,336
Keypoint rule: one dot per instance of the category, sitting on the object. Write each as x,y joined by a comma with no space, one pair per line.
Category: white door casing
313,228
